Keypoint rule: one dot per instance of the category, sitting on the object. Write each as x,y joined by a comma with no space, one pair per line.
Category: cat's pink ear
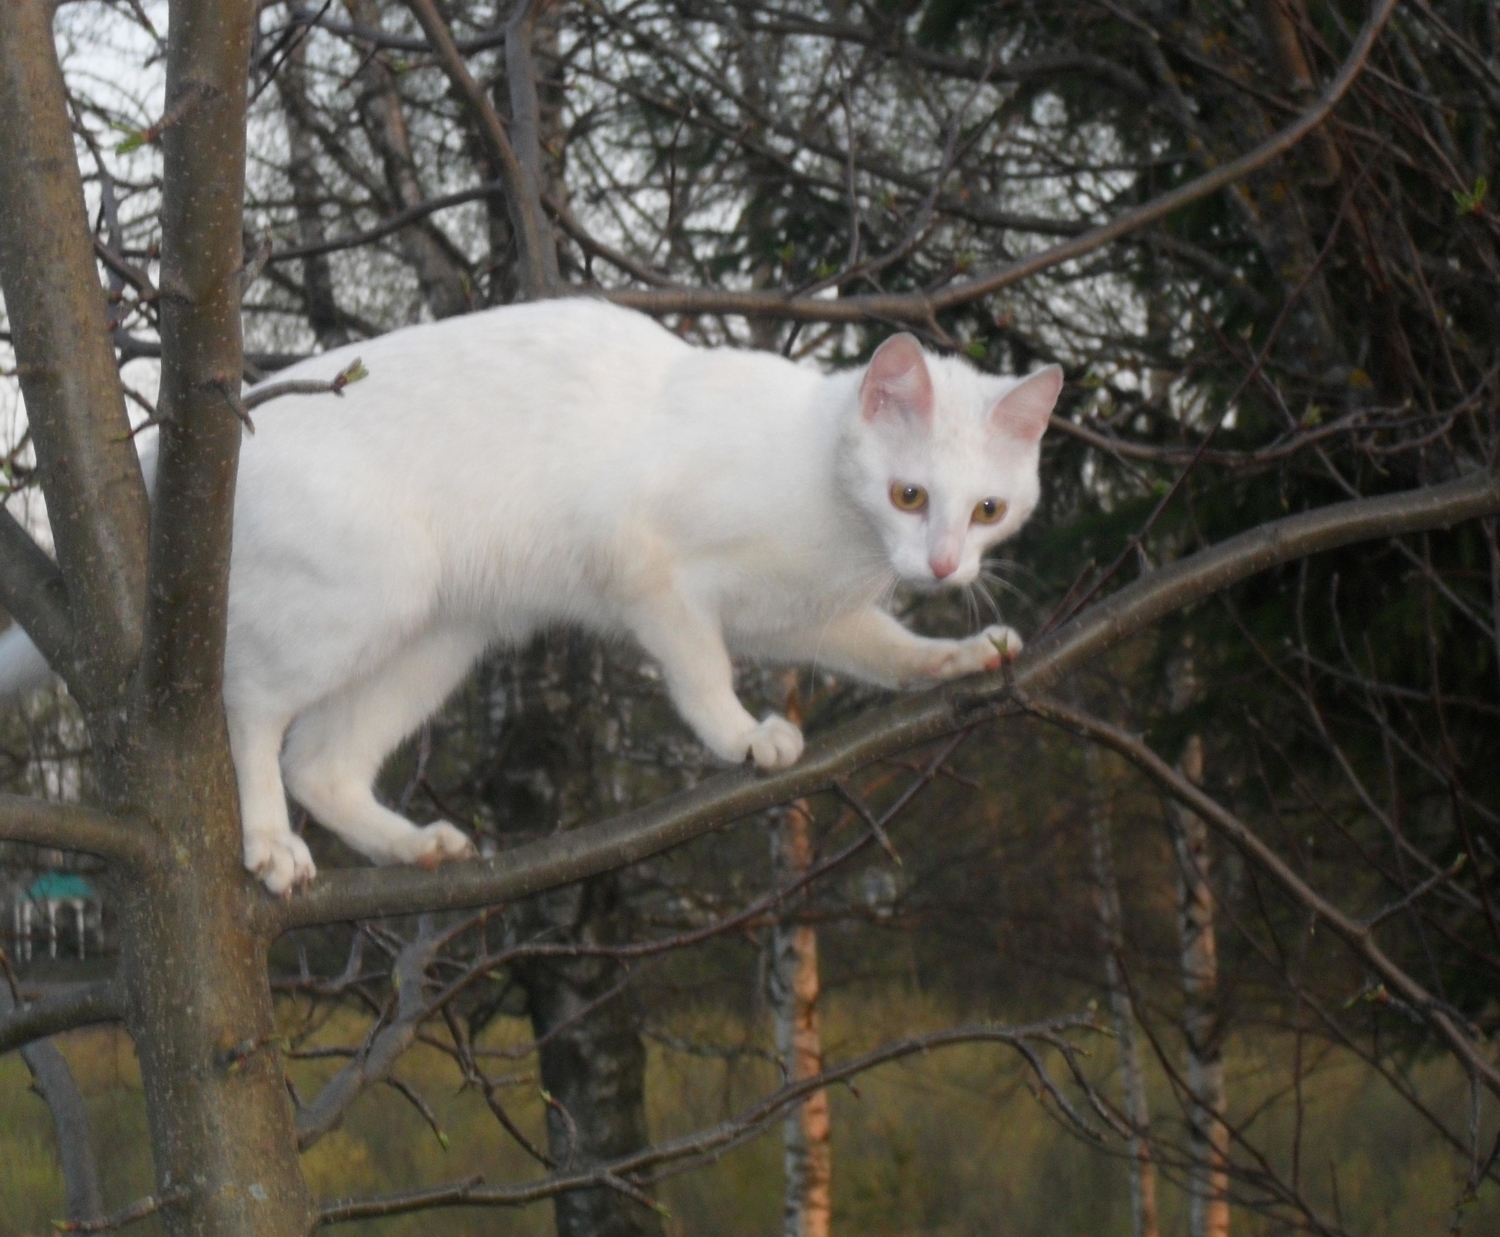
1023,411
897,381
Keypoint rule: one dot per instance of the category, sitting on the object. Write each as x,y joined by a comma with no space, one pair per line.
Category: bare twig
714,1141
137,1210
351,373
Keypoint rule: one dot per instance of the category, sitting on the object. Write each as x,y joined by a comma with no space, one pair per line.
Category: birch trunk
794,989
1122,1009
1202,1024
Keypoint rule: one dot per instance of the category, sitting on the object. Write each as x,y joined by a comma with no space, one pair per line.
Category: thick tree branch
921,306
579,853
536,254
71,826
82,1007
202,253
1359,936
33,592
96,498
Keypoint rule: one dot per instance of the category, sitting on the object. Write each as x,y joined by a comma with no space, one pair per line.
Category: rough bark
198,1001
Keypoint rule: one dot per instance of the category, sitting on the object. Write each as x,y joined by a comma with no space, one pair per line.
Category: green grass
949,1144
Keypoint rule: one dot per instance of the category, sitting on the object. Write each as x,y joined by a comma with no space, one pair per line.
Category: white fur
574,462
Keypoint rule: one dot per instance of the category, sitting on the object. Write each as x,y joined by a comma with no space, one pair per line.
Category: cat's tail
22,667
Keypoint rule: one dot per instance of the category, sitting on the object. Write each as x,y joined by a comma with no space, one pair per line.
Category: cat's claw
437,844
282,862
774,744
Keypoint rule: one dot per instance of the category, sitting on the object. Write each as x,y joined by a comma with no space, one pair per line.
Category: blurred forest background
1326,327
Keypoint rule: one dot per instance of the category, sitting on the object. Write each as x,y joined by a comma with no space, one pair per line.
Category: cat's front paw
437,843
281,861
989,650
774,744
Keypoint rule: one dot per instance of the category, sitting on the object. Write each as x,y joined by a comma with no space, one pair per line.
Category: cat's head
943,459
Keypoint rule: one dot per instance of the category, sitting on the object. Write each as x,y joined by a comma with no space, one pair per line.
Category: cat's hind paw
774,744
438,843
281,861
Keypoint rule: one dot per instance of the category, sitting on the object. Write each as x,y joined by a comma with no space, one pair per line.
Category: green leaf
134,139
353,372
1470,202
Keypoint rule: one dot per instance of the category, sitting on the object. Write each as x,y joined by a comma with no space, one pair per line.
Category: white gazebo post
26,929
52,927
78,919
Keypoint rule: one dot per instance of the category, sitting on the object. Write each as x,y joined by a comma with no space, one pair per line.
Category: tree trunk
593,1062
199,1005
444,283
1202,1024
1112,942
319,299
559,723
146,663
794,990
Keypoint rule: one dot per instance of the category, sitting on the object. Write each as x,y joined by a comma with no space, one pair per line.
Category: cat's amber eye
908,497
988,511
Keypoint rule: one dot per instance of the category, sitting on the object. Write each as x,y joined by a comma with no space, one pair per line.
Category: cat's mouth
928,582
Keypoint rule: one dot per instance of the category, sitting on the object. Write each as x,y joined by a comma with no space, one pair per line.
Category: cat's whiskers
978,593
999,581
971,607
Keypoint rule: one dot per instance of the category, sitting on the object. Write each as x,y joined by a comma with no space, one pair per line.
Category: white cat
574,462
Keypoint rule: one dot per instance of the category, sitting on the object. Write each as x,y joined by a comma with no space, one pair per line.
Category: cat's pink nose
942,568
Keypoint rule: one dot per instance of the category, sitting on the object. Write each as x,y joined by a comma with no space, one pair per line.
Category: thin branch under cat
573,855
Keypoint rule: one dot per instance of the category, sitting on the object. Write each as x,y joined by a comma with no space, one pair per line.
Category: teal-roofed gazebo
48,892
